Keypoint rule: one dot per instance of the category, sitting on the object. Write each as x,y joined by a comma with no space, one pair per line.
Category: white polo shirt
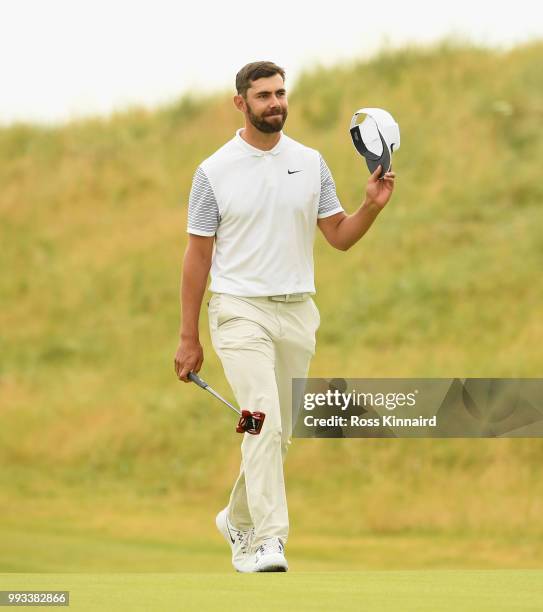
262,207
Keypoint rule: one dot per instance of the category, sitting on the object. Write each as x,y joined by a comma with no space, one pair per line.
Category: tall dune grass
447,283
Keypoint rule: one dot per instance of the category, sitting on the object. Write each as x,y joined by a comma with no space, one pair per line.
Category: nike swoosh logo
293,171
228,529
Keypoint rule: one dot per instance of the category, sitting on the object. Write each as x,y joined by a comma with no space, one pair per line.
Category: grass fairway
397,591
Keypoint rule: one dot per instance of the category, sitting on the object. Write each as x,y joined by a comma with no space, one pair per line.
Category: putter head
250,422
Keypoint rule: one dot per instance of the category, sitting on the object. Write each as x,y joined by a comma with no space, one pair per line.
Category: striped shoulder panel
328,203
203,217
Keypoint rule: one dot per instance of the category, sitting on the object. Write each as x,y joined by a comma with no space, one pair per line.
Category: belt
289,297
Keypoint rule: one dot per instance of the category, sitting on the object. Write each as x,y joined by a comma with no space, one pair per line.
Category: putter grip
196,379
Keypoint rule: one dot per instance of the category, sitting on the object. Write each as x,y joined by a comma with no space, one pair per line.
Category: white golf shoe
268,557
240,541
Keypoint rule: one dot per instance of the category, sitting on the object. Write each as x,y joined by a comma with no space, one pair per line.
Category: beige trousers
262,345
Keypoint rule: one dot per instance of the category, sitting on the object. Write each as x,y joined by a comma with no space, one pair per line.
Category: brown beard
261,124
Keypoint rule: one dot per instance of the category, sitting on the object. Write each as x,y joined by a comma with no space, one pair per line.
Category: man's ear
239,103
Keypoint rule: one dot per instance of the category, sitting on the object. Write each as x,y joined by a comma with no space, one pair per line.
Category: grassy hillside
447,283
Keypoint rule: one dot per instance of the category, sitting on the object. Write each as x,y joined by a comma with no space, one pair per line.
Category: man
257,200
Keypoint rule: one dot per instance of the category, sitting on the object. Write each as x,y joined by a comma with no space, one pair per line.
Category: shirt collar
254,150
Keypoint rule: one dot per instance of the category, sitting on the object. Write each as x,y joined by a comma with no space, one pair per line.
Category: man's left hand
378,191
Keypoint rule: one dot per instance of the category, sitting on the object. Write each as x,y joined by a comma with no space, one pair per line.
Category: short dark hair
252,72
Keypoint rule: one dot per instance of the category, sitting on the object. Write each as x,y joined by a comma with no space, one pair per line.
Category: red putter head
250,422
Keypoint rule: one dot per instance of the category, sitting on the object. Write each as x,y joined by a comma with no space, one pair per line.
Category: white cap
376,137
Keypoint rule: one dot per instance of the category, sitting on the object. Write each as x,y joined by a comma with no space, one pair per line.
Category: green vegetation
100,442
374,591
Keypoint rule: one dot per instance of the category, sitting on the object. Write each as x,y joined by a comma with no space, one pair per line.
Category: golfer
253,209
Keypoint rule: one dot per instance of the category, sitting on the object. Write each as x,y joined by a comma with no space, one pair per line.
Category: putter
250,422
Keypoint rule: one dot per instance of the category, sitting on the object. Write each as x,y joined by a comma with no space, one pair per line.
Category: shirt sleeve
329,203
203,217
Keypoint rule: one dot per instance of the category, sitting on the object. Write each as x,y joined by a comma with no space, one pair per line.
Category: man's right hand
188,358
